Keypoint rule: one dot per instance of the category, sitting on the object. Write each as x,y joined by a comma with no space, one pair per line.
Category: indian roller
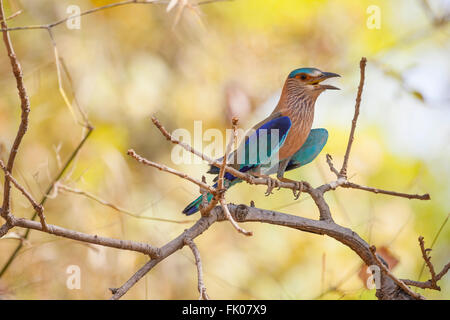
287,130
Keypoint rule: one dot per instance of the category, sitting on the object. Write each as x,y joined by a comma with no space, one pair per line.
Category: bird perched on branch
283,141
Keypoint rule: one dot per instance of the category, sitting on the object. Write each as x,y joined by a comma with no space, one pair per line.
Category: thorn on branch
113,290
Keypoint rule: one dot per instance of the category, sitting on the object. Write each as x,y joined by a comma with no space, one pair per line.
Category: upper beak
324,76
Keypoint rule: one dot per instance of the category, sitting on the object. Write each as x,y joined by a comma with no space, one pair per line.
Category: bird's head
311,79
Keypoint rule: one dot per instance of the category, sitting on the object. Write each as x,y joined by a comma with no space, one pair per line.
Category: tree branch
198,263
244,213
94,239
25,110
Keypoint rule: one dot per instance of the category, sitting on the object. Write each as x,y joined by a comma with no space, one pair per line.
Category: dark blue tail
194,206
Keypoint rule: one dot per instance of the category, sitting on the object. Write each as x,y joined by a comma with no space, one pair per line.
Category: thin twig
93,10
220,185
25,110
39,208
66,188
206,207
230,144
362,66
94,239
433,242
432,283
60,85
198,263
429,284
86,123
427,260
343,182
162,167
330,164
352,185
15,14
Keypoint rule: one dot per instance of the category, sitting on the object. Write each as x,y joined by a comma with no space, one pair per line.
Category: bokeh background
221,60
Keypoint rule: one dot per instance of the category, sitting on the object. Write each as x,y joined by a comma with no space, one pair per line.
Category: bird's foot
298,188
271,183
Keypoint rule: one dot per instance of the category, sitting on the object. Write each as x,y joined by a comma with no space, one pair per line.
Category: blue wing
265,142
260,146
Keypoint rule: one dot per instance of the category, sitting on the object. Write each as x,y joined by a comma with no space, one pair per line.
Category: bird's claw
297,191
271,184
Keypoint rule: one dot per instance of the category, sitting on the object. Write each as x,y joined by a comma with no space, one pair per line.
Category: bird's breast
298,133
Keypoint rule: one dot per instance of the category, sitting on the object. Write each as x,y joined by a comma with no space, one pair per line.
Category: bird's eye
302,76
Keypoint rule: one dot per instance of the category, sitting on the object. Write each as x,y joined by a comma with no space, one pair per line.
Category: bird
283,141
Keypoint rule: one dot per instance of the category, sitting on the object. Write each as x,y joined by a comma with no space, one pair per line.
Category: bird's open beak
324,76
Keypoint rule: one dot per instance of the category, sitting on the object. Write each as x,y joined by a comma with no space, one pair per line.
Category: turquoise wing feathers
310,149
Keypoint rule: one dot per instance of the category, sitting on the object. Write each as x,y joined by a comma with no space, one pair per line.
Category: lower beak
329,87
327,75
